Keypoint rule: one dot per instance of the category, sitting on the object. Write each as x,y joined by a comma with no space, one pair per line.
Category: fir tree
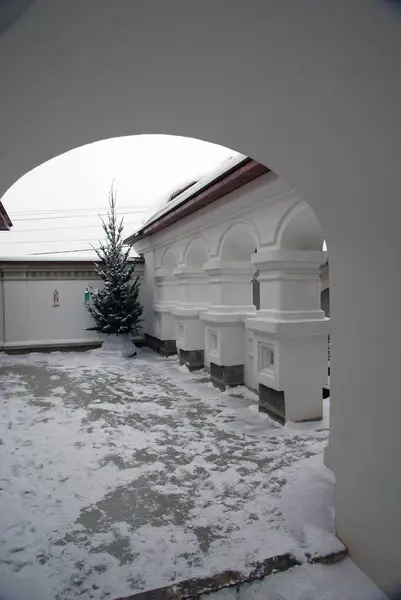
115,308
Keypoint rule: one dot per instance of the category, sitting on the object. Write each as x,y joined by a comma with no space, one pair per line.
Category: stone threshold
192,589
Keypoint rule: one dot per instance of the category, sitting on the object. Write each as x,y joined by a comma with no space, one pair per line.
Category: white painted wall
254,213
30,320
312,90
241,213
148,292
190,332
251,370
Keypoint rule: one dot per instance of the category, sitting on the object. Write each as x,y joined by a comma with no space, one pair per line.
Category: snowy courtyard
121,475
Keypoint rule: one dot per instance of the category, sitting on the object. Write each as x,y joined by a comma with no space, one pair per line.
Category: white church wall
262,215
244,205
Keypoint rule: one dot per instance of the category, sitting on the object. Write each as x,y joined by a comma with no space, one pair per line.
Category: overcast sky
55,207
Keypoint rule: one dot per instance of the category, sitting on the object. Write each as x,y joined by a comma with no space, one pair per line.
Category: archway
238,243
301,230
196,253
313,113
169,261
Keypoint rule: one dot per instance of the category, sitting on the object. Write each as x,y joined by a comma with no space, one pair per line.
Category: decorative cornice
22,275
73,271
27,263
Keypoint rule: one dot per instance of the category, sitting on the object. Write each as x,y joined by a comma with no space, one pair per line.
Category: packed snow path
119,475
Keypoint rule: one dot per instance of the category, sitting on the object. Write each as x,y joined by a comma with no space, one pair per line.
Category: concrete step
191,589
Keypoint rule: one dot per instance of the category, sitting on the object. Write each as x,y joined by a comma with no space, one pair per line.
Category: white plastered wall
30,319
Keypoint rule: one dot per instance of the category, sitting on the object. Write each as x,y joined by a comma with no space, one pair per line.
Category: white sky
55,207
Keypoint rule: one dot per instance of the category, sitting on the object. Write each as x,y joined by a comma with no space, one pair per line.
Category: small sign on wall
86,296
56,298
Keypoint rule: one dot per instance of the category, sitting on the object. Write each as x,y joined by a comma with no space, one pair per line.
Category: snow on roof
170,200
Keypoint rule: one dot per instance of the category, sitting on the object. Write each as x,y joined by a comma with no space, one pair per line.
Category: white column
192,301
290,333
192,287
230,295
166,300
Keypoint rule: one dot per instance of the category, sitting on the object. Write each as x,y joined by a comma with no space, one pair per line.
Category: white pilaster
290,334
230,294
192,301
166,300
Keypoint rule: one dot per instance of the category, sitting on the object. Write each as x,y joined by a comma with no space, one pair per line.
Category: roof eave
246,171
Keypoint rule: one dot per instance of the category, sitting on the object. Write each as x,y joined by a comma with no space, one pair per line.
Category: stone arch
238,242
169,260
321,142
196,253
300,229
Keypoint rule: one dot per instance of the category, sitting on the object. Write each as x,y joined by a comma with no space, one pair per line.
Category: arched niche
238,243
196,253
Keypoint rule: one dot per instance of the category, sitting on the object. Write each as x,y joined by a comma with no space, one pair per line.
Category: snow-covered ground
119,475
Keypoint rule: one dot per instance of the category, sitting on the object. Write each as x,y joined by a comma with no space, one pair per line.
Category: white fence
42,304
